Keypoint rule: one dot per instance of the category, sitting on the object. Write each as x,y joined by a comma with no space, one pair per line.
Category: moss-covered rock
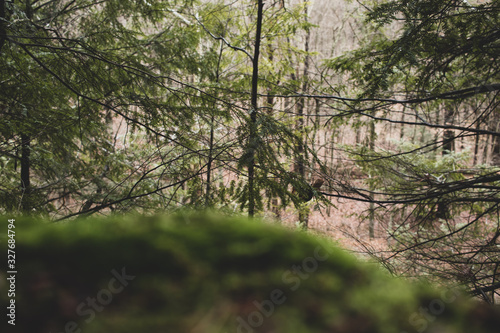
200,273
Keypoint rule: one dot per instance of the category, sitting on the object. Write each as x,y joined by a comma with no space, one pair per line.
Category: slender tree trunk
371,222
448,147
448,136
275,206
300,157
415,129
3,24
26,203
496,146
476,142
476,147
402,128
25,173
29,9
210,161
211,140
317,137
438,121
358,135
486,150
252,144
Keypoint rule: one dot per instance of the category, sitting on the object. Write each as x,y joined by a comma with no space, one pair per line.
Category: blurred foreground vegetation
203,273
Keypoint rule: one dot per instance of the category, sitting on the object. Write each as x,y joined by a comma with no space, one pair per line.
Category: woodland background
376,122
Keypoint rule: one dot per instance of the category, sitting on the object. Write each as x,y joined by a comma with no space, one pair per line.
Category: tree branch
223,40
450,95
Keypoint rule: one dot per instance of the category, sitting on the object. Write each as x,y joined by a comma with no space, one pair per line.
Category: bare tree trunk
211,140
438,121
448,147
3,23
25,173
26,201
495,149
371,222
476,141
486,150
209,163
448,135
358,135
300,158
252,144
402,128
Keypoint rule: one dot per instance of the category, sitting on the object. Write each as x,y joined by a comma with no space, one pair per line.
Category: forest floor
345,222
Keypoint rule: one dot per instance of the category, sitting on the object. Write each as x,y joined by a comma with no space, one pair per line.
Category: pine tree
442,58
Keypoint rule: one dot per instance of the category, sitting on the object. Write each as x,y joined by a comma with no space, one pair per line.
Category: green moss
205,273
